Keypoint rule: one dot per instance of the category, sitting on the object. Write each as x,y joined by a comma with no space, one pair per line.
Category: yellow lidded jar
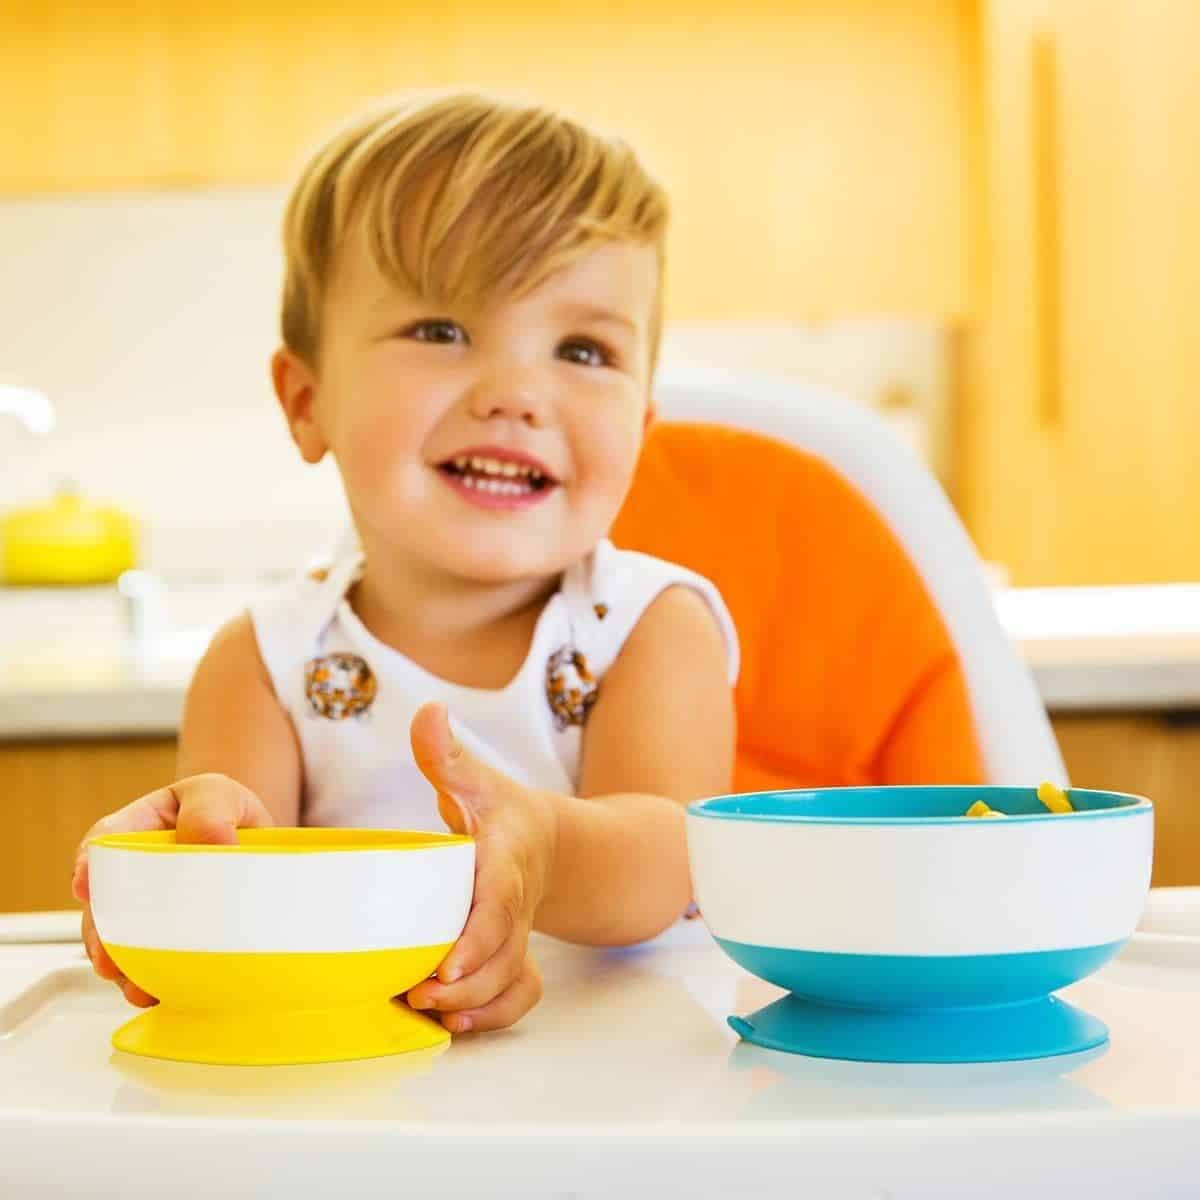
66,541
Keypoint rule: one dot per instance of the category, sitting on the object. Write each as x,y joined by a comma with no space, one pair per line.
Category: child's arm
661,735
609,866
234,725
239,765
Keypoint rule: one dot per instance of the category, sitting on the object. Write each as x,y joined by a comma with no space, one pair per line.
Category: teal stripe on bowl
902,981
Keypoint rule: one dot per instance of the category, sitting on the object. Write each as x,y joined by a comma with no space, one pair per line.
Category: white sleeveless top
351,697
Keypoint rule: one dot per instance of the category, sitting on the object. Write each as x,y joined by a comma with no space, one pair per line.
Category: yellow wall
817,153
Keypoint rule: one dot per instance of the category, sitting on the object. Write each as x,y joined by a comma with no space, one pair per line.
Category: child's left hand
488,979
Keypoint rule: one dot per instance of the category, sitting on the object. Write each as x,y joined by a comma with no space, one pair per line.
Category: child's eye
439,331
586,353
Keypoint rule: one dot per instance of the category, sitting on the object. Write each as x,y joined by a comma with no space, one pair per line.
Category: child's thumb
213,807
456,774
458,818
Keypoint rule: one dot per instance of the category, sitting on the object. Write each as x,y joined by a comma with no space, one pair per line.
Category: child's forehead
612,275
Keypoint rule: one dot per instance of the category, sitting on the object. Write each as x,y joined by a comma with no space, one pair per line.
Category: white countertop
626,1080
68,669
1110,648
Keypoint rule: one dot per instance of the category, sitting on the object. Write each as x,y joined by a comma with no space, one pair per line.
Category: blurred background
978,216
981,214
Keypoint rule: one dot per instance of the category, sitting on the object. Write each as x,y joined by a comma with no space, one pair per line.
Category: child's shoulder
614,592
288,618
663,718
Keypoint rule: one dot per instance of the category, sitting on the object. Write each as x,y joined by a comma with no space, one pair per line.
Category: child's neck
469,633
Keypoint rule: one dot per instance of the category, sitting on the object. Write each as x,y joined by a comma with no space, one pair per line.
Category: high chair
871,650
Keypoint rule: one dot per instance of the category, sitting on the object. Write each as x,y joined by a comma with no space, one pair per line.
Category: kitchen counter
625,1081
69,668
1109,649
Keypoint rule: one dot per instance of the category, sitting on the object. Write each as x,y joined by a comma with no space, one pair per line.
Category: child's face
494,444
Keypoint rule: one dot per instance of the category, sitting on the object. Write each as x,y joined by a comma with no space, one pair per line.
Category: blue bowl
905,930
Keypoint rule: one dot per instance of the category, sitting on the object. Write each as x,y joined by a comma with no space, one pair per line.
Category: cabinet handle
1046,233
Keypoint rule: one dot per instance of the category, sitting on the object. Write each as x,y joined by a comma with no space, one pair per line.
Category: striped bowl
907,931
285,948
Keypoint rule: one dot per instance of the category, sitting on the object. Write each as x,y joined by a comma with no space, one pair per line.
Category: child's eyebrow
597,315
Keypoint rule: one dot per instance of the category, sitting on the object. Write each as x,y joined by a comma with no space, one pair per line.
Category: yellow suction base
268,1039
259,1009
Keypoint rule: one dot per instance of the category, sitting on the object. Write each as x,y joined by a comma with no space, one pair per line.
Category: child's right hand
203,808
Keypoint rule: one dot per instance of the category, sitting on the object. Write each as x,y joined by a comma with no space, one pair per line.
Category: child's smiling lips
498,477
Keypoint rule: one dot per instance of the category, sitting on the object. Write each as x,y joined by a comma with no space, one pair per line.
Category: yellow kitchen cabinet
1082,387
51,793
817,153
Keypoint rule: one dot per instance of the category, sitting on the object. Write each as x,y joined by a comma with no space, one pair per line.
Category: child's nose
513,398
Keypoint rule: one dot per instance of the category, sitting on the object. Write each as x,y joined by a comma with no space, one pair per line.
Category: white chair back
1017,741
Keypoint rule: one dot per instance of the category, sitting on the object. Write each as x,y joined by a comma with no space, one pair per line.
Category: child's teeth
497,487
514,478
495,466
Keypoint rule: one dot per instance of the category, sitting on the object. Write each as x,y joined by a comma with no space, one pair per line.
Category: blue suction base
999,1033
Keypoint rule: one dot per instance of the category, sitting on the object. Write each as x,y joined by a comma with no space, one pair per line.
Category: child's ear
296,389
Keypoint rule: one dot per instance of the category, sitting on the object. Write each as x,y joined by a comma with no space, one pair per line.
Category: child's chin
499,564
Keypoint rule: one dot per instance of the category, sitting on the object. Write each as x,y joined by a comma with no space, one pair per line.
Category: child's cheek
617,441
607,463
382,447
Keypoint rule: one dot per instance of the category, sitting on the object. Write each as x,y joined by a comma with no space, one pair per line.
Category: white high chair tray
626,1080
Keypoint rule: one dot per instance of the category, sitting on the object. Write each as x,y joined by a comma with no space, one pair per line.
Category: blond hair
494,196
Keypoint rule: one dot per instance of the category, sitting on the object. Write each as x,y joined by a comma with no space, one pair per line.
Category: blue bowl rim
1129,805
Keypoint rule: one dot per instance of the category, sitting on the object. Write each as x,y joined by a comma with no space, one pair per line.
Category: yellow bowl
285,948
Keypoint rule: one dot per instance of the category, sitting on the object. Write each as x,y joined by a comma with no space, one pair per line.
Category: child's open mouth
494,481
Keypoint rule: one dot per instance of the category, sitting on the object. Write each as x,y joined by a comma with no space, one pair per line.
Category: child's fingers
79,876
155,810
101,963
494,920
455,773
136,996
479,987
507,1008
107,969
468,788
212,808
458,819
204,808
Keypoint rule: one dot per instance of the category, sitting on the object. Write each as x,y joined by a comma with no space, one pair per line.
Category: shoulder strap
608,594
290,623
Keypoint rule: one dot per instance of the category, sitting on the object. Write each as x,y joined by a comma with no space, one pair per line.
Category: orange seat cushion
848,673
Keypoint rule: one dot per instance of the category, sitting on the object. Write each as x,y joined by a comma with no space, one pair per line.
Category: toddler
471,314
